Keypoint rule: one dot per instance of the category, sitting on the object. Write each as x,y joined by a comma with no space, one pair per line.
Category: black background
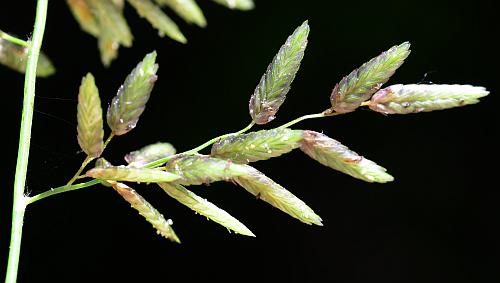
437,222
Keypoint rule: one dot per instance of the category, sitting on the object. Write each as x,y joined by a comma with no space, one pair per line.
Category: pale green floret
415,98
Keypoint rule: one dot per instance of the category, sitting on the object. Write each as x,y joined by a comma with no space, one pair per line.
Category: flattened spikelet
186,9
360,84
415,98
15,57
269,191
243,5
89,116
205,208
149,154
257,146
140,175
335,155
130,101
158,19
201,169
271,91
153,216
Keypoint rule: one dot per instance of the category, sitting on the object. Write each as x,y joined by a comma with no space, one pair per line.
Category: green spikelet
201,169
149,153
158,19
84,16
361,83
140,175
415,98
205,208
89,116
113,29
153,216
333,154
15,57
243,5
271,91
257,146
269,191
186,9
110,17
130,101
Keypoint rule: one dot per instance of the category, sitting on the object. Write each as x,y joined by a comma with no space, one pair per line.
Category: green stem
19,203
158,162
84,164
61,189
70,187
326,113
13,39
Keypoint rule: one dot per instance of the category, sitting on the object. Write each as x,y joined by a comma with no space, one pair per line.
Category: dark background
437,222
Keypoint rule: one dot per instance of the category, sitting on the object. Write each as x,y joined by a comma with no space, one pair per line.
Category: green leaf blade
149,153
201,169
130,102
158,19
89,116
205,208
269,191
415,98
187,10
271,91
138,175
335,155
362,83
257,146
153,216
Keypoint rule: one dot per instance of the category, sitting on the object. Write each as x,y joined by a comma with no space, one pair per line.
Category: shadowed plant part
205,208
237,4
130,101
188,10
149,153
105,20
153,216
15,56
158,19
271,91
